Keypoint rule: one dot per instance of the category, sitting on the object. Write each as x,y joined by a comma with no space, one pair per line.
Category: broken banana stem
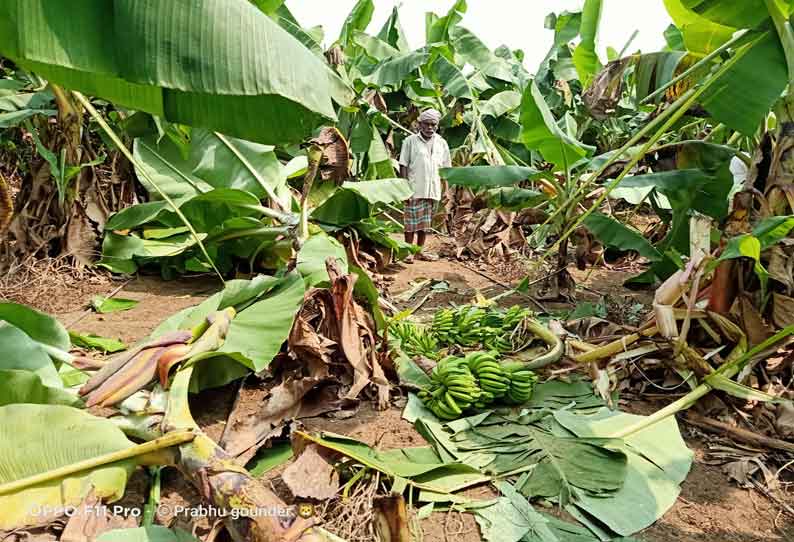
728,370
615,347
225,484
556,348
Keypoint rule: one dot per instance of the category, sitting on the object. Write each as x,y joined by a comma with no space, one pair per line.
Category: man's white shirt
423,159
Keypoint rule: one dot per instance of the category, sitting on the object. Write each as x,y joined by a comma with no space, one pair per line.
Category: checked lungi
419,215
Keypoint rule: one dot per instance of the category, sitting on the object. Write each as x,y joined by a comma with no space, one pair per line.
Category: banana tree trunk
779,190
256,514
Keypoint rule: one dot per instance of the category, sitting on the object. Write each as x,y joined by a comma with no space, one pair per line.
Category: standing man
421,157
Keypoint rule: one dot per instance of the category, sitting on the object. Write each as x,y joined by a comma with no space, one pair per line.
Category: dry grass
53,285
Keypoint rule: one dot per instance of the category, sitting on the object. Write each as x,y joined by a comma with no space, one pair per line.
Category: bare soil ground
711,508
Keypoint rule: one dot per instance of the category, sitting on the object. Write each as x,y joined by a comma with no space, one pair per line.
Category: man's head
428,122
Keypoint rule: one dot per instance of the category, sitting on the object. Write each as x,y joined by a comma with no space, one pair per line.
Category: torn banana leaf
511,519
658,462
28,449
95,342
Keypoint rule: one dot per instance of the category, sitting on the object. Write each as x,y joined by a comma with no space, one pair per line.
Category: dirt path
710,509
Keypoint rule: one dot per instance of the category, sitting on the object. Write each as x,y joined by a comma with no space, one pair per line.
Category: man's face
428,128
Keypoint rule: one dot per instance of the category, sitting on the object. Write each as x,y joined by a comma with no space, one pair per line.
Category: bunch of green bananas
467,325
522,382
490,377
415,341
444,326
513,317
453,391
470,325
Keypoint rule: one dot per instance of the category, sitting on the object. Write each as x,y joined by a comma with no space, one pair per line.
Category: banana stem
173,439
221,481
315,155
142,171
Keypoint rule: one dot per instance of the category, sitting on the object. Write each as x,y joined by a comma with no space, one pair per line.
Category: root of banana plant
228,486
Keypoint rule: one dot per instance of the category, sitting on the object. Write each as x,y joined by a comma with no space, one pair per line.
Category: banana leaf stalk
673,114
140,451
730,369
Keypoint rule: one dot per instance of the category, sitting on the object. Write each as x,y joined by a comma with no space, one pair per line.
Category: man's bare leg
409,238
421,238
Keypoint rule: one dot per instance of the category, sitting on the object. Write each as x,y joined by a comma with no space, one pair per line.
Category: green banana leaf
393,72
658,462
358,20
765,235
38,326
744,14
380,163
655,70
473,51
20,386
211,160
564,466
513,199
151,533
258,332
355,201
105,305
18,105
269,7
511,518
313,255
585,57
437,28
375,48
614,234
702,184
488,176
268,459
123,253
19,351
701,36
217,65
237,293
743,96
540,132
393,33
95,342
421,466
501,104
674,38
140,214
451,78
27,449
